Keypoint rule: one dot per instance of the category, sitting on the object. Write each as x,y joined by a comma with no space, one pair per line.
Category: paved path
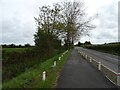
78,73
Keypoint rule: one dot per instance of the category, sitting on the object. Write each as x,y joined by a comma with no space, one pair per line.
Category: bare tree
76,22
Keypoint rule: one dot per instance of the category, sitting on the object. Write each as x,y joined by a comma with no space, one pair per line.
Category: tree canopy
65,22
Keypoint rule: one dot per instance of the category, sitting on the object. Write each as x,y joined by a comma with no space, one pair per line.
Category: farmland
17,60
31,78
13,49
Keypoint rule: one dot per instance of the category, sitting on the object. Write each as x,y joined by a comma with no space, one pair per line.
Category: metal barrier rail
113,76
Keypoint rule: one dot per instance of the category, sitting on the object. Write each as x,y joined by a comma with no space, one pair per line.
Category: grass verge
32,78
14,49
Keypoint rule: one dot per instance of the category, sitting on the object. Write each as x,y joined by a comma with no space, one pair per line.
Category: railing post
99,65
90,59
82,53
86,56
118,79
44,76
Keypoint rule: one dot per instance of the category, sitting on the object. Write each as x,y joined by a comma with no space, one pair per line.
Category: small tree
46,37
27,45
87,43
20,46
79,43
12,45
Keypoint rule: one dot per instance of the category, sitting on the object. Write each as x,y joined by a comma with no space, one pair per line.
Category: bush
14,63
108,48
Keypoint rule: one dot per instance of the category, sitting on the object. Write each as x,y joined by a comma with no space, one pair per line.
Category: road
78,73
109,60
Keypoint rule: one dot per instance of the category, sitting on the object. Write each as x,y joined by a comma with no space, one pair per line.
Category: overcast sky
18,24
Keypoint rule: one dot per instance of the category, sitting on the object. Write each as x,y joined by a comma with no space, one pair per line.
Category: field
108,48
31,78
13,49
15,61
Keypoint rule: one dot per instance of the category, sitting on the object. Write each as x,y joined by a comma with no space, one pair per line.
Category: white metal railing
113,76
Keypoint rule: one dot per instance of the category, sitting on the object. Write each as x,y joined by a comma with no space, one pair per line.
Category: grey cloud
108,16
108,27
18,25
107,35
15,31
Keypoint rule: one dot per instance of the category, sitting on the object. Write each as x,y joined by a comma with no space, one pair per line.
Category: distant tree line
16,46
113,43
113,48
83,44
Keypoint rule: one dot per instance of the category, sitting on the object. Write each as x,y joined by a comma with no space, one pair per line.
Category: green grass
13,49
32,77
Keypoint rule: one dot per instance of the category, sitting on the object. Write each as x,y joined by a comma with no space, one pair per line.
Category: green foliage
46,37
14,63
65,21
108,48
79,44
31,78
13,49
87,43
16,46
46,43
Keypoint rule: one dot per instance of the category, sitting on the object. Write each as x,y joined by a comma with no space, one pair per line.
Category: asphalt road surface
109,60
78,73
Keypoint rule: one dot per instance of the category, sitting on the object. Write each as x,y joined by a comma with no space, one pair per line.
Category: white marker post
90,59
44,76
86,56
66,51
54,63
99,65
59,58
118,79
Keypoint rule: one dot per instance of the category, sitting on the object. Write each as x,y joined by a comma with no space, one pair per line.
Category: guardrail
113,76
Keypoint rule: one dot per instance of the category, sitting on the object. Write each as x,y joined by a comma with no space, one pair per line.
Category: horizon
74,43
